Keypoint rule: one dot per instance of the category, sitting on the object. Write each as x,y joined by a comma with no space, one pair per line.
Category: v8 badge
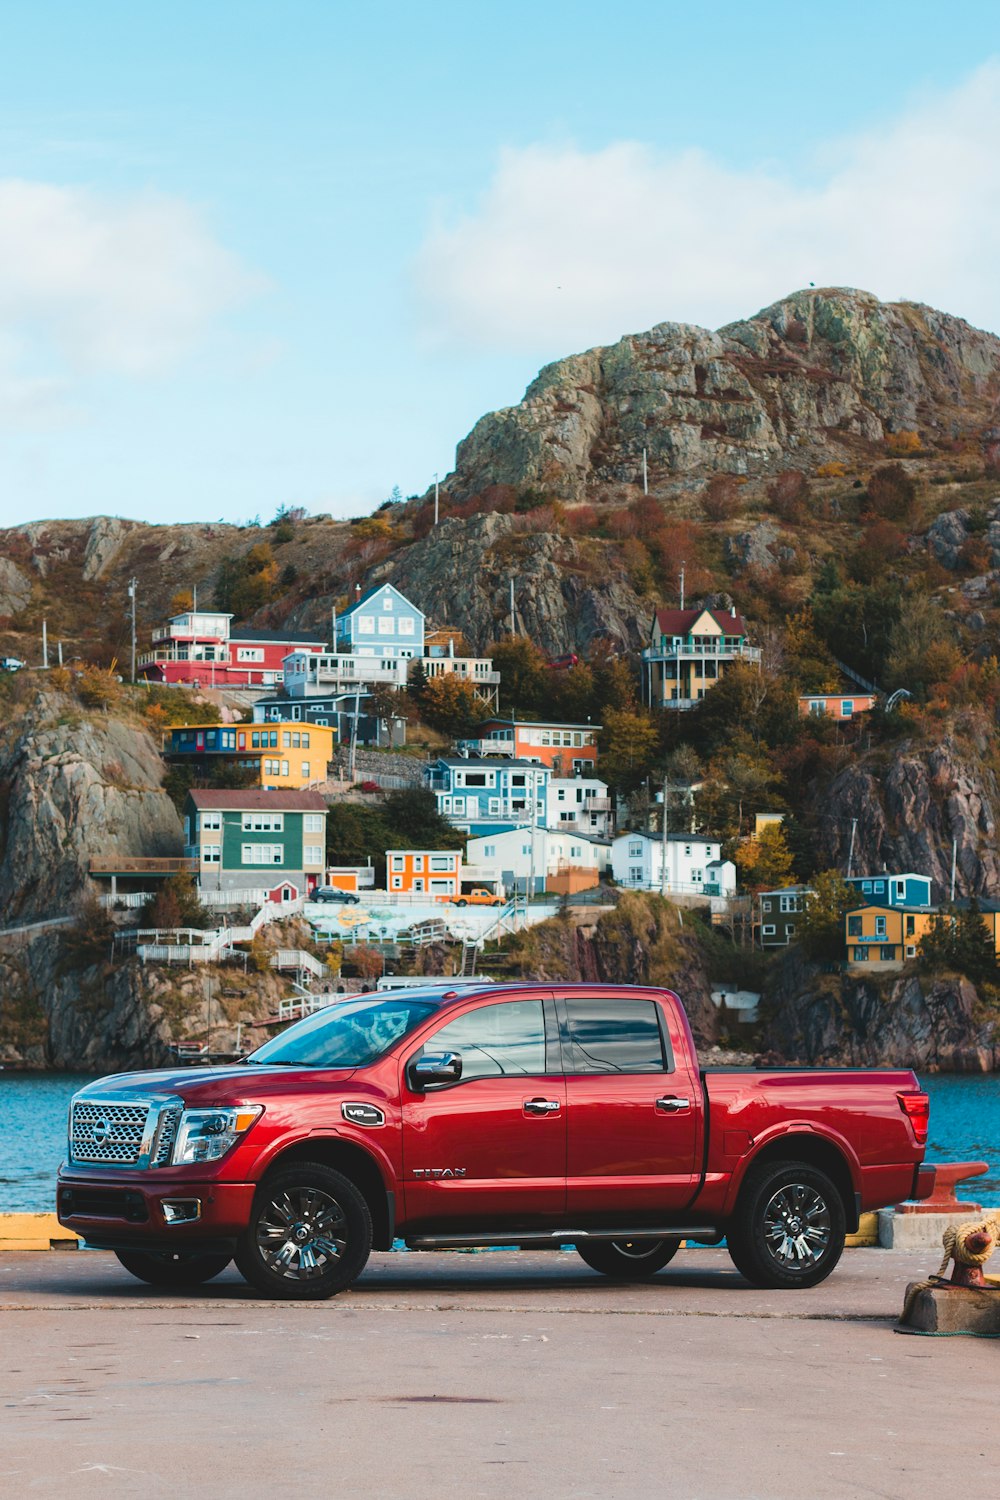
362,1114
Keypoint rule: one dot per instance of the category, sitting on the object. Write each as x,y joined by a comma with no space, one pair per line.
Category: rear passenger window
613,1036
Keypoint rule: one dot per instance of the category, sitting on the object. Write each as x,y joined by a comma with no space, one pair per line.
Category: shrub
720,498
832,470
903,443
891,492
788,495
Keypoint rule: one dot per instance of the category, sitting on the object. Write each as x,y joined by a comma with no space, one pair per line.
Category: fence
126,900
300,959
190,945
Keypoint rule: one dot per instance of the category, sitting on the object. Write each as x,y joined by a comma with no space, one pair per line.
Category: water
965,1126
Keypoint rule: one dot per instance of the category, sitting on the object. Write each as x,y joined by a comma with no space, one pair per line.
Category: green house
257,841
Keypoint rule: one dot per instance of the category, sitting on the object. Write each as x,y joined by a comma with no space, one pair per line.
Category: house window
397,882
866,887
789,930
211,854
306,768
687,851
440,862
398,862
910,926
209,820
899,888
847,708
854,927
817,706
767,930
366,624
406,626
635,873
418,862
911,951
887,953
249,653
385,626
696,877
286,739
789,903
314,854
284,768
861,955
263,854
879,887
489,850
305,739
312,823
635,850
880,927
263,822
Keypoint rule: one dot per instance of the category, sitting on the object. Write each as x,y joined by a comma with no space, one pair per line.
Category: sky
255,255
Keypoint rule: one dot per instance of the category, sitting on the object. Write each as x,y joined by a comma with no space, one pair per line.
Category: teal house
266,844
893,890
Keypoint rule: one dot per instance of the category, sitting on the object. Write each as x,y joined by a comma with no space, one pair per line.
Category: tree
959,940
99,688
891,492
523,672
766,862
175,904
629,743
246,583
450,705
821,929
572,694
181,602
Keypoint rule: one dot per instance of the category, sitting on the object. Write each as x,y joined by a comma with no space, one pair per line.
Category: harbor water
965,1126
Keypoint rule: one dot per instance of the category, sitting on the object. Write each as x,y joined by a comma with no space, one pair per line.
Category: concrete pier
490,1377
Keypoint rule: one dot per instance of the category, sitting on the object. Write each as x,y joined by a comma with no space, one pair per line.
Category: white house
579,804
527,858
694,865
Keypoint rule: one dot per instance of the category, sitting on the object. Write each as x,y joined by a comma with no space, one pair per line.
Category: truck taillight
917,1108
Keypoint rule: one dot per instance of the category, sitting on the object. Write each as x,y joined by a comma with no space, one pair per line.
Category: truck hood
232,1084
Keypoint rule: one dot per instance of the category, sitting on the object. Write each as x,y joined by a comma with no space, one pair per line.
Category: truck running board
541,1239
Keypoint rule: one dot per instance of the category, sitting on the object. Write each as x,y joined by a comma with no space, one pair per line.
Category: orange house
423,872
568,749
835,705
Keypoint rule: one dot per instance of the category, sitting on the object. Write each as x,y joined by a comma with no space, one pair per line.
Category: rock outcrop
803,382
77,788
15,588
908,813
566,596
915,1021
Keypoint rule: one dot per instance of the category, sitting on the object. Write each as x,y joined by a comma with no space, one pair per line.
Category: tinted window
613,1036
348,1034
495,1040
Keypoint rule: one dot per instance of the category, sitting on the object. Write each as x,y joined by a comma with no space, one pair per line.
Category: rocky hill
818,377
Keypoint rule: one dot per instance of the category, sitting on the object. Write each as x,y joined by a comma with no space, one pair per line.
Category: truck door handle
541,1106
670,1104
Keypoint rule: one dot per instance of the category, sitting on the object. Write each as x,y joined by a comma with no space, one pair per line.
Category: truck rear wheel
789,1227
172,1267
627,1260
309,1236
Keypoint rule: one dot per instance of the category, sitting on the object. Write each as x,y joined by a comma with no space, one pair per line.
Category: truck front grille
170,1118
109,1133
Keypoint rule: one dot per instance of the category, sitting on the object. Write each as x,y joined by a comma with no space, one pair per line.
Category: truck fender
798,1141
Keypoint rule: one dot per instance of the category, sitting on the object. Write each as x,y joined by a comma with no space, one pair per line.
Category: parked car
334,893
526,1114
478,897
11,664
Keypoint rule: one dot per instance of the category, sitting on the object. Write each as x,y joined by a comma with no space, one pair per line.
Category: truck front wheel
627,1260
172,1268
789,1227
309,1236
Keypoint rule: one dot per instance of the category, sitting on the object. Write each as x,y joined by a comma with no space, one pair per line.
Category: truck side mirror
433,1069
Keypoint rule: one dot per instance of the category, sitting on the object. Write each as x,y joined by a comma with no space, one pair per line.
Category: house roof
911,907
370,594
680,621
534,723
501,762
672,838
251,800
286,637
887,875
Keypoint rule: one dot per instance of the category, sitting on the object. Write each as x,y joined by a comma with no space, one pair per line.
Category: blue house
382,622
489,796
892,889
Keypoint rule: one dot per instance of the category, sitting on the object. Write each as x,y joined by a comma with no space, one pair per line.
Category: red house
200,649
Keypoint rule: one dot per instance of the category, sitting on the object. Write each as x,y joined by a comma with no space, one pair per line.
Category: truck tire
172,1268
461,902
789,1227
627,1260
309,1236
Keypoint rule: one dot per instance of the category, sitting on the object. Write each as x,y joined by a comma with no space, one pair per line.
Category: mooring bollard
968,1303
920,1225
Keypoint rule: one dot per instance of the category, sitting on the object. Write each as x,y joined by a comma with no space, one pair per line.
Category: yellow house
281,754
689,650
884,937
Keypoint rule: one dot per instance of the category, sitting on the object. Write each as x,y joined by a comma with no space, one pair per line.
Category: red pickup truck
529,1114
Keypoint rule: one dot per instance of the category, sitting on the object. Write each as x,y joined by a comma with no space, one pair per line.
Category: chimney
732,610
357,592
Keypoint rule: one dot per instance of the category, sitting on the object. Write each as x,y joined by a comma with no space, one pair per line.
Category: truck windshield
348,1034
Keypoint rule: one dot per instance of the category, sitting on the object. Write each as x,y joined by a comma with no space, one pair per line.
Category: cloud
571,248
91,284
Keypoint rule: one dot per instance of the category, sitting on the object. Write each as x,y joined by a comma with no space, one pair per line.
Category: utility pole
850,852
354,735
645,474
954,862
512,629
60,653
133,585
683,566
663,837
437,498
45,643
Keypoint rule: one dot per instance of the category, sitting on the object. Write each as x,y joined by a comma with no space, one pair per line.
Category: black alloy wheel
627,1260
789,1228
309,1236
173,1267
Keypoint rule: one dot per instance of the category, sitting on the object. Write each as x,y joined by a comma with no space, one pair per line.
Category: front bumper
128,1214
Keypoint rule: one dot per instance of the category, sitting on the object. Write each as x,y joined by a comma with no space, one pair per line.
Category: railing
300,959
675,887
131,864
129,900
304,1005
719,652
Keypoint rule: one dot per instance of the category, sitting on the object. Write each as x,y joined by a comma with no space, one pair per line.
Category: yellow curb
35,1232
867,1234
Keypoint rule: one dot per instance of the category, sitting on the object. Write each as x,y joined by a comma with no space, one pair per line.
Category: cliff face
914,1022
76,788
909,812
565,599
803,382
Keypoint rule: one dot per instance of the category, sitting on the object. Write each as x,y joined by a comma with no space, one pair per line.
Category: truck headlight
207,1134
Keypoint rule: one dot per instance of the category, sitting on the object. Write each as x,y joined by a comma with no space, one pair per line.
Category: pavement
494,1375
